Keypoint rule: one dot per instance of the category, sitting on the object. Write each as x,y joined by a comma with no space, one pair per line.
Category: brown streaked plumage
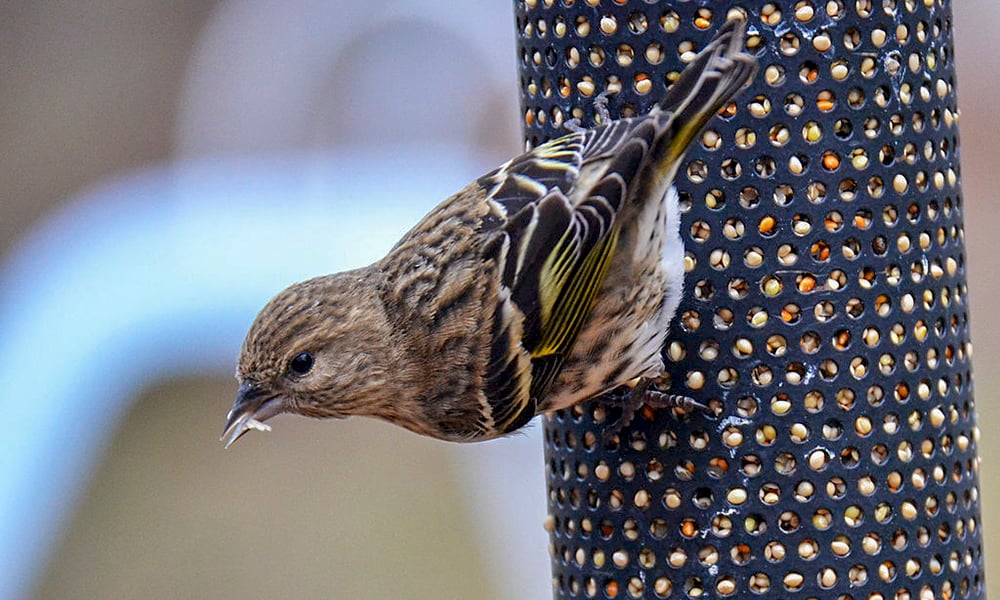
547,281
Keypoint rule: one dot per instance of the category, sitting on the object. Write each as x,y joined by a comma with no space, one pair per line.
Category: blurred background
164,169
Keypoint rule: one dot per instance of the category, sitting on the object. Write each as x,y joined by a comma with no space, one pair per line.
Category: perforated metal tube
825,317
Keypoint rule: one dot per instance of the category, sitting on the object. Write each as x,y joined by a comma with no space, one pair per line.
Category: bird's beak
252,407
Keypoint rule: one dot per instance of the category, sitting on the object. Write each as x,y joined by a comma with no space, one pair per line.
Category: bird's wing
560,203
559,244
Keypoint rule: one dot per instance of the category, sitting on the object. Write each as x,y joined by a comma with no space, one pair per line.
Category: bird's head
318,349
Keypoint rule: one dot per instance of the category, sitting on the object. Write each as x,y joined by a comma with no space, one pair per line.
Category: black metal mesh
825,316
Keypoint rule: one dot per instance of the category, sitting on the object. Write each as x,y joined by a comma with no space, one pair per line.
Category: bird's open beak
253,406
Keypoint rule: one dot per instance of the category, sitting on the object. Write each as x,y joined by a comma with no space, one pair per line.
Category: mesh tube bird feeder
825,317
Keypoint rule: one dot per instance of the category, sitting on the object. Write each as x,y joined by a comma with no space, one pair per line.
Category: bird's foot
602,116
601,112
574,126
646,394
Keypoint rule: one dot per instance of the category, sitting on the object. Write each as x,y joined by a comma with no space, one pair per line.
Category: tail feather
726,45
716,75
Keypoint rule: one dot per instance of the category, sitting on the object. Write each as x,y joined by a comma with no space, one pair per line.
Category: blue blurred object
158,274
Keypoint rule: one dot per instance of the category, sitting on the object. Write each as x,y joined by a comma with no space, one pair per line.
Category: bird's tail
715,76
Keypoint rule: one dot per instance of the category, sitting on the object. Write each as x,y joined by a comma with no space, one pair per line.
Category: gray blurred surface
360,512
93,89
89,89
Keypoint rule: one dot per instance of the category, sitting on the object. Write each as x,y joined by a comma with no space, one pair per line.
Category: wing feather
560,245
566,254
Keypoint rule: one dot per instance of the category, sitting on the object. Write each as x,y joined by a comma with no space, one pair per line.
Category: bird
544,283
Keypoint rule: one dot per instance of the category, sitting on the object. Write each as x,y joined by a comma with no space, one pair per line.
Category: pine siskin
545,282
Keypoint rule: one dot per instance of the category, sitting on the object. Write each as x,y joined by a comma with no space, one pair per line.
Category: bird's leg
601,113
645,393
654,398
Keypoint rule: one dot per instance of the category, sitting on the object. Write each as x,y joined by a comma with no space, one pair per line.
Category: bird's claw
602,116
574,126
601,112
646,394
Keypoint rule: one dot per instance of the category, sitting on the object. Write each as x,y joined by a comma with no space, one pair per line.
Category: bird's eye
302,363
